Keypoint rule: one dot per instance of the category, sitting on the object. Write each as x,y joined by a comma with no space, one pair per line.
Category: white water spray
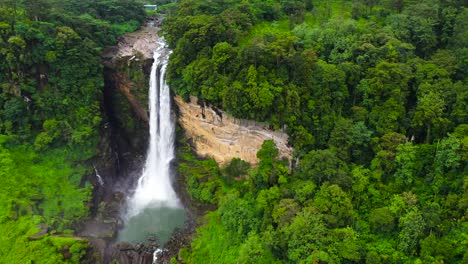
99,178
154,185
155,255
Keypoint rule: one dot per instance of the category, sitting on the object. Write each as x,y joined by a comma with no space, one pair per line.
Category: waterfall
155,255
99,178
154,187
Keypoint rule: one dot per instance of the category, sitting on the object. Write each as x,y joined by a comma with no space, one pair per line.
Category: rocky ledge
142,42
215,134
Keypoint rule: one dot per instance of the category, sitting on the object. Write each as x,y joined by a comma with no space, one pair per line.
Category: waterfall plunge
154,186
154,209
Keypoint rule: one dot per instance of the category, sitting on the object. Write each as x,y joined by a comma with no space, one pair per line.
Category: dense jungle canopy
372,93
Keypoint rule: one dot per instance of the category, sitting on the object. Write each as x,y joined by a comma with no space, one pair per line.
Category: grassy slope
39,189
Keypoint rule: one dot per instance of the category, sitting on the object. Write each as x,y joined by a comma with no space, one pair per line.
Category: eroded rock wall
222,137
127,70
123,143
213,133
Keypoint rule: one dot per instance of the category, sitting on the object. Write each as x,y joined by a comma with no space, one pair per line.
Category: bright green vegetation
39,189
165,6
202,177
32,187
374,97
51,84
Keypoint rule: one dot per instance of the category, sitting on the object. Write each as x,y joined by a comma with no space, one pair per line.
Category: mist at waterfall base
154,209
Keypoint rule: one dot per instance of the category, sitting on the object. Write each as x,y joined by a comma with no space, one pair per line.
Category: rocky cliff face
215,134
125,136
123,143
127,68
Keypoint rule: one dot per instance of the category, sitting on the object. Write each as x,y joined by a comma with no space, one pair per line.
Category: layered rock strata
215,134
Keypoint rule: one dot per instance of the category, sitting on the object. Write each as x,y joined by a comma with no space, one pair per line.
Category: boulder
42,233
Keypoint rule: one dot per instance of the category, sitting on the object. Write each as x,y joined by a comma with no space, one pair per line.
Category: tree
429,110
306,234
423,18
222,53
260,95
304,191
407,165
396,5
445,60
350,140
266,174
346,244
434,249
9,11
458,39
52,130
447,156
235,99
340,139
254,250
301,138
335,205
37,9
382,220
238,215
323,166
412,227
360,183
236,167
329,94
266,200
285,211
384,93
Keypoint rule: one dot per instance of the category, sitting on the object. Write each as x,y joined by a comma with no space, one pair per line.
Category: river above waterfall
154,208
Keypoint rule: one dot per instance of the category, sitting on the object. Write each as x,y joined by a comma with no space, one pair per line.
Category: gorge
154,207
294,131
153,210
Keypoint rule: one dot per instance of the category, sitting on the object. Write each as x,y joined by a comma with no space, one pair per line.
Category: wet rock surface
127,253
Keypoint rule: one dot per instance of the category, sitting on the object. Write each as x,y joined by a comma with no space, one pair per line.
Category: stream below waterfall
154,209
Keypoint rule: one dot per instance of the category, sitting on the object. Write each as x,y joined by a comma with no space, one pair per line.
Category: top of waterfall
144,42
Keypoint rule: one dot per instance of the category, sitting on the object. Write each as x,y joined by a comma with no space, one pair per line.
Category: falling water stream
98,176
154,209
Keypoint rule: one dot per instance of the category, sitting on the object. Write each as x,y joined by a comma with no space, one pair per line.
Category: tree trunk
428,135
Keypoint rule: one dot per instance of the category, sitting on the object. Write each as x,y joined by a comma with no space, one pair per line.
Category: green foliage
266,175
306,234
373,97
236,168
52,67
412,227
52,131
238,216
202,177
215,244
323,166
51,82
382,220
39,189
16,247
254,250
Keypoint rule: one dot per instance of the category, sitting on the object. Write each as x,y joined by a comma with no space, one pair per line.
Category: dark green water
159,222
